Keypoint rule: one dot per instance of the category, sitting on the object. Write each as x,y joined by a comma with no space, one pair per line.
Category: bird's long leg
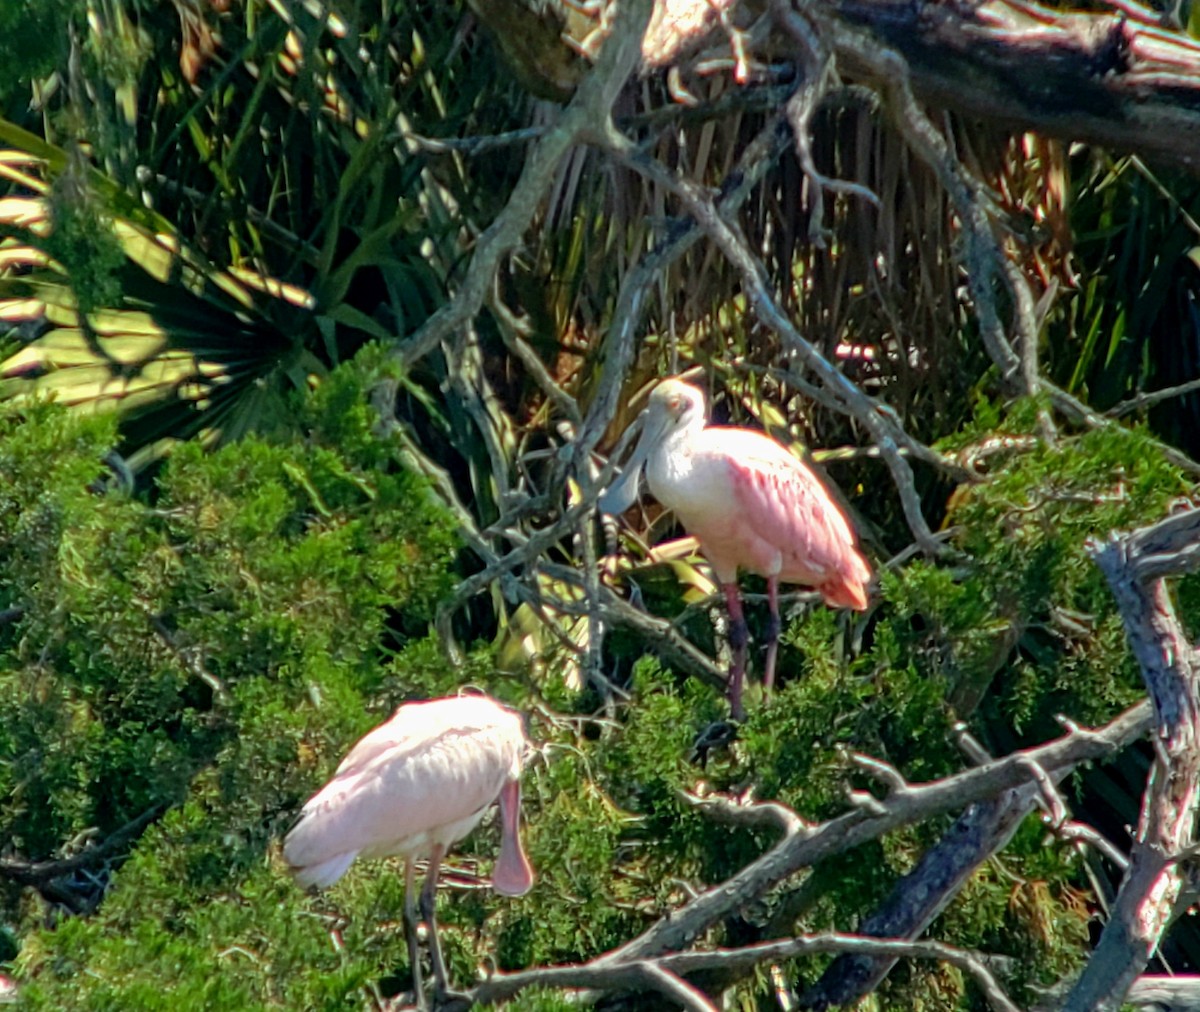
412,924
773,629
739,637
428,905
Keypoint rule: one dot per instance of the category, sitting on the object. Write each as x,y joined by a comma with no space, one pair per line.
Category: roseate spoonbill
412,787
751,505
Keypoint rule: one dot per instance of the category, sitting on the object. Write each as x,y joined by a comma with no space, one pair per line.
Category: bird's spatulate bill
513,875
624,491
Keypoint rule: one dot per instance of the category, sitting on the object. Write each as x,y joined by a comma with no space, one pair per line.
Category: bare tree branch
662,637
36,872
972,962
591,105
816,843
608,975
1135,565
189,657
616,352
647,963
1165,994
982,255
1101,78
1149,398
918,897
636,975
748,812
46,876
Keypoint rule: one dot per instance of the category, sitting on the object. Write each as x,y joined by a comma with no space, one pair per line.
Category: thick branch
662,637
919,802
917,898
1149,892
1094,77
1155,993
39,873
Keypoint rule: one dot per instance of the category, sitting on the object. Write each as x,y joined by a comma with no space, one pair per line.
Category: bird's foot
449,1000
719,734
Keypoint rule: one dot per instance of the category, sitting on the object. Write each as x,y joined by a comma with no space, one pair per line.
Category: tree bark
1101,78
1135,566
1117,79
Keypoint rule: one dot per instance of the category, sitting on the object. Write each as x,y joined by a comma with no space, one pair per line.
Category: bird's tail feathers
847,592
326,872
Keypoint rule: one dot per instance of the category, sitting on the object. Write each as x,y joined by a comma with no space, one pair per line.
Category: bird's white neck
671,462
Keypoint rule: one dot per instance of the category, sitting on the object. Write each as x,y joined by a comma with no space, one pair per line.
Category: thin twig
850,830
591,105
190,659
747,812
617,349
664,638
512,333
1150,398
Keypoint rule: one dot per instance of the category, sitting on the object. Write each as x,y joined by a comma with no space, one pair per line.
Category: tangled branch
667,944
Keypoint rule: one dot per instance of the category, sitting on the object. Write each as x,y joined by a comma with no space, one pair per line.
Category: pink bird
412,787
751,505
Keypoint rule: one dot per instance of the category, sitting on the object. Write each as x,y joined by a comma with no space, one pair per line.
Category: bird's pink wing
403,785
785,505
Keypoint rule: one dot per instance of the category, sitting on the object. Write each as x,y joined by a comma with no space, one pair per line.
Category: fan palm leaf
183,351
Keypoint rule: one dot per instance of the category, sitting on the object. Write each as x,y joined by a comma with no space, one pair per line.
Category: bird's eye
674,402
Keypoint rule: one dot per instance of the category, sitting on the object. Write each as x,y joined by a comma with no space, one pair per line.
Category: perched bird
751,505
412,787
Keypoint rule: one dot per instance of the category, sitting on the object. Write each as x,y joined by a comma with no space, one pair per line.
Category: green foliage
213,648
205,649
1123,328
214,644
268,162
31,40
82,240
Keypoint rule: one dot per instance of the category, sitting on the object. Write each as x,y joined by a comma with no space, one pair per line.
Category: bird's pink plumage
423,778
754,506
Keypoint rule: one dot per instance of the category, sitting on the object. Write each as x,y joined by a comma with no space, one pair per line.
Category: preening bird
751,505
412,787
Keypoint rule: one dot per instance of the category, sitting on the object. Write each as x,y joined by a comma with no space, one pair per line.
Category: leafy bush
212,646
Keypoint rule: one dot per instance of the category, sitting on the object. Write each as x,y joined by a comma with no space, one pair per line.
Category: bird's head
674,407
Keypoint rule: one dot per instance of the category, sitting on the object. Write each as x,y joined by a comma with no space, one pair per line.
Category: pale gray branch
664,973
857,827
1149,398
1148,896
774,952
591,105
923,893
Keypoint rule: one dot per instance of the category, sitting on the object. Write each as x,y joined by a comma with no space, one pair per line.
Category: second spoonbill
751,505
